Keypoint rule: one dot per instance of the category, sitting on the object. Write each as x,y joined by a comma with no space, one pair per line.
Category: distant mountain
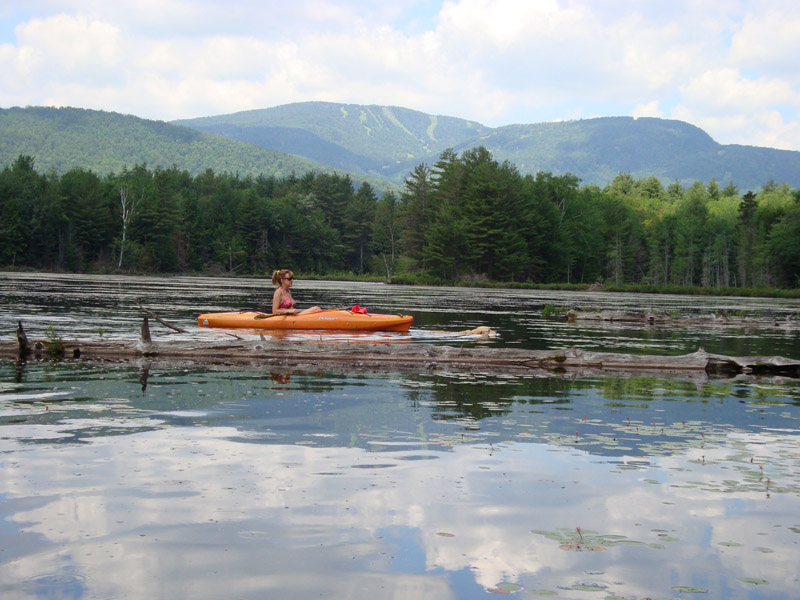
382,141
388,142
381,144
61,139
597,150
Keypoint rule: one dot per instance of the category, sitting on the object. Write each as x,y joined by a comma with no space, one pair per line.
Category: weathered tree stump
24,348
145,332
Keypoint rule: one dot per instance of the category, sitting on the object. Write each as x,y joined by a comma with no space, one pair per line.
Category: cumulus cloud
651,109
729,67
754,111
727,90
768,40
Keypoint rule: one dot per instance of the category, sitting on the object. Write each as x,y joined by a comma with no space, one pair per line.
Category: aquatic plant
55,343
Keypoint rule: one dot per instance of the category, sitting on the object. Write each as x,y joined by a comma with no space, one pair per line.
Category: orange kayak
339,320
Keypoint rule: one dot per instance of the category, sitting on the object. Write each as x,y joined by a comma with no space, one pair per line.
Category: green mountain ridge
61,139
383,141
382,144
389,141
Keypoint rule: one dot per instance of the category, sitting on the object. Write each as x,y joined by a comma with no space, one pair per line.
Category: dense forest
465,218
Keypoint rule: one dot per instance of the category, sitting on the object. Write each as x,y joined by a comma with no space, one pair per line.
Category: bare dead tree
128,206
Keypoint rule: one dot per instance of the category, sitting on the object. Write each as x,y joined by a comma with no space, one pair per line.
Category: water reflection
251,484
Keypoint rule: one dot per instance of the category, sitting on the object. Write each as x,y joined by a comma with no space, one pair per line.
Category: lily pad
688,589
510,587
589,586
753,580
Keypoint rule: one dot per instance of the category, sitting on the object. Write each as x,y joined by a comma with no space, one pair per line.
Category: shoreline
404,280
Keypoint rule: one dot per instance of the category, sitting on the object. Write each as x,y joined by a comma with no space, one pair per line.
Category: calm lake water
145,482
90,307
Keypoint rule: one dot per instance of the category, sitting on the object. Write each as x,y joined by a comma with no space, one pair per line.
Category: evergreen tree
661,244
251,231
446,252
783,245
492,207
720,256
747,238
14,195
541,221
357,236
89,218
416,210
690,234
560,191
34,223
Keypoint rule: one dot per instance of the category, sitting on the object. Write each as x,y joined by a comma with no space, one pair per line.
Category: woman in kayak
282,301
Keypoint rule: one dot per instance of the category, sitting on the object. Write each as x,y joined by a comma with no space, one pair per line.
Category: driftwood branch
162,321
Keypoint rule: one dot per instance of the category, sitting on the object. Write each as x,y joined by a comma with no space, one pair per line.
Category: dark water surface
204,483
90,307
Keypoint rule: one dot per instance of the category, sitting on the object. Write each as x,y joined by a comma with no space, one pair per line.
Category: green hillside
389,141
61,139
597,150
384,141
381,145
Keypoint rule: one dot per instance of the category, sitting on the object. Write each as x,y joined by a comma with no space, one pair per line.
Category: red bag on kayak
359,309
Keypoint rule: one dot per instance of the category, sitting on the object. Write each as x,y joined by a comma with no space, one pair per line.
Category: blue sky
729,66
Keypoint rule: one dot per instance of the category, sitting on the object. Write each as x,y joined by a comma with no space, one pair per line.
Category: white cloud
69,45
726,90
769,40
731,67
736,109
762,128
651,109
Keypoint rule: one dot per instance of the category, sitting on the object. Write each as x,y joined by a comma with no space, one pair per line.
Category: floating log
421,357
648,318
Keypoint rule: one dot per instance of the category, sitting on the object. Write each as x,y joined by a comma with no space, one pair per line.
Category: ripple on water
63,579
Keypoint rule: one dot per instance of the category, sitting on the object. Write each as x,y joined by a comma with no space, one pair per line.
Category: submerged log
667,320
421,357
